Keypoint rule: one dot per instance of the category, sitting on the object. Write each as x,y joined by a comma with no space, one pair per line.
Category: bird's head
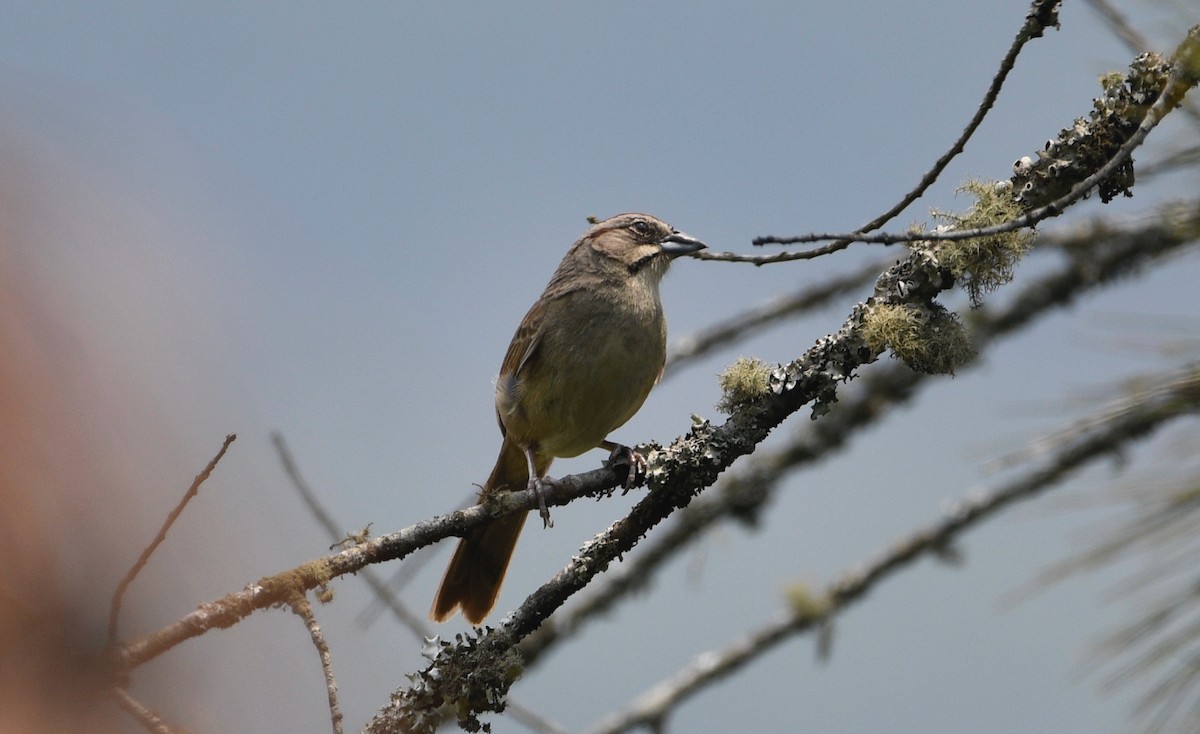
639,242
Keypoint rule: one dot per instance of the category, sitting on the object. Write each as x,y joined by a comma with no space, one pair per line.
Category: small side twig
534,720
144,558
733,257
1177,84
149,720
1042,14
303,609
1178,76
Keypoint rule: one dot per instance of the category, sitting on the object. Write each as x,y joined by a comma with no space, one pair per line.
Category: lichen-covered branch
466,676
1096,256
278,589
1113,432
1093,154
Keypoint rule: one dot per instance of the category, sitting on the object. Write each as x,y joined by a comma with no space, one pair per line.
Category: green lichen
927,337
745,380
982,264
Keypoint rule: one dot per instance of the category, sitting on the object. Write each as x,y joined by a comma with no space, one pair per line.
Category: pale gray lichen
834,358
462,676
1080,150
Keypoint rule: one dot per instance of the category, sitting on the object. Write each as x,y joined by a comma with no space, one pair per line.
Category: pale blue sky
328,218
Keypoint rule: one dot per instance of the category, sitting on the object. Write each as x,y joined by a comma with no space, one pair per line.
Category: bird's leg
623,456
538,485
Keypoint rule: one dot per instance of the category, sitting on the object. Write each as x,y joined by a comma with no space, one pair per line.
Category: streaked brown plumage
581,364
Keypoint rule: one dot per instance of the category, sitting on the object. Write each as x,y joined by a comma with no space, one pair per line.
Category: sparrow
581,364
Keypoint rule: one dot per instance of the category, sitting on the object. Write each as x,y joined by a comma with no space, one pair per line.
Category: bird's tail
476,571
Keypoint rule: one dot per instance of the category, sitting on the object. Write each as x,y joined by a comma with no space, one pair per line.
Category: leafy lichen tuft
983,264
742,382
927,337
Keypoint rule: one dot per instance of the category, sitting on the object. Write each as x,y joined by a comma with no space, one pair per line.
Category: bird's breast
598,355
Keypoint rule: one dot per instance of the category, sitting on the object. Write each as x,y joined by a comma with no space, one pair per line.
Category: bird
580,365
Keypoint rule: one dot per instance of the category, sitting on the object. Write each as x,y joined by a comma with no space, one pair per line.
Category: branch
1098,256
1093,154
1102,437
303,609
279,588
149,720
144,558
1042,14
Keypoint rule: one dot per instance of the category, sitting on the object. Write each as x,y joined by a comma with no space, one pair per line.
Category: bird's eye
640,227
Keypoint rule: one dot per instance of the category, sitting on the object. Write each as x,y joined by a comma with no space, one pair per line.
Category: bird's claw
538,486
634,463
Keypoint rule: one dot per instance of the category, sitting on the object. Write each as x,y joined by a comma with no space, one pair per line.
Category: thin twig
303,609
1042,13
149,720
1176,85
733,257
1182,158
1183,75
144,558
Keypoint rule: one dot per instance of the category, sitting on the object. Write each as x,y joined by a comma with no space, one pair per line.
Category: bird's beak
678,243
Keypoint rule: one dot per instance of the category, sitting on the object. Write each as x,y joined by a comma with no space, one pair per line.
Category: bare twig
1177,84
1182,158
303,609
533,720
149,720
1181,74
1042,14
733,257
144,558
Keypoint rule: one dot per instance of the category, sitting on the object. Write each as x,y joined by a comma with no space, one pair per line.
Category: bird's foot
633,462
539,485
